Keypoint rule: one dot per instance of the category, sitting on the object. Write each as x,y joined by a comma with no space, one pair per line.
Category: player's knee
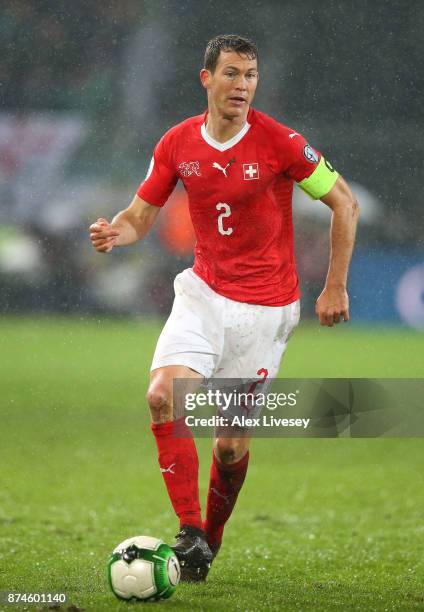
160,403
229,450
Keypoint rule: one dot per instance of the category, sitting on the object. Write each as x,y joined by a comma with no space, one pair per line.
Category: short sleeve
308,167
161,177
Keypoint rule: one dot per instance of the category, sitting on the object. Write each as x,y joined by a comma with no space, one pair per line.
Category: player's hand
332,306
103,236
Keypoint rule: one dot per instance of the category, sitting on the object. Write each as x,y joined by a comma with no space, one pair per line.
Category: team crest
189,168
250,171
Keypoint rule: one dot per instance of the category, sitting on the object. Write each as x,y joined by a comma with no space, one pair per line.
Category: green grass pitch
333,524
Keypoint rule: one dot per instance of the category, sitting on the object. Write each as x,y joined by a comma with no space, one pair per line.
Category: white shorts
222,338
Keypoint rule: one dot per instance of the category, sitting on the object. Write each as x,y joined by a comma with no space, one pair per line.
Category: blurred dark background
88,87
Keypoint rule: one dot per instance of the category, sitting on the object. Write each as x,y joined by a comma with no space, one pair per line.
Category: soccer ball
143,568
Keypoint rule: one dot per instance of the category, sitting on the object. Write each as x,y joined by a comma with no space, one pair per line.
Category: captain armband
322,179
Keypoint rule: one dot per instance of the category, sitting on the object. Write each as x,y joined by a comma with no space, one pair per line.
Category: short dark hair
228,42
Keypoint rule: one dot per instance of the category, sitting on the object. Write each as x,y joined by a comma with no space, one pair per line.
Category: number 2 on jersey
227,212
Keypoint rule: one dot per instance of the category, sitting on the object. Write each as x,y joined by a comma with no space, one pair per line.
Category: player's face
232,86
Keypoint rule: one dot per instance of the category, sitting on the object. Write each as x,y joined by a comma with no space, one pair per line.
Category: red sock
224,486
179,465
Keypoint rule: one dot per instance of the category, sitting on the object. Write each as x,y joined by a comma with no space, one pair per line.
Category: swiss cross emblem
250,172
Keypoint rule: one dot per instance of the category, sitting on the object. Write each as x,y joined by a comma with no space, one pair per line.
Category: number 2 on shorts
227,212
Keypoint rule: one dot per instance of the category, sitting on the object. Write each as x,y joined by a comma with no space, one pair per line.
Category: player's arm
126,227
325,184
333,303
134,222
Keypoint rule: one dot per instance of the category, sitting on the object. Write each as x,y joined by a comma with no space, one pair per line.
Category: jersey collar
223,146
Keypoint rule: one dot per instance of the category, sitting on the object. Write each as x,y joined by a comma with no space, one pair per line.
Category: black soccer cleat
193,554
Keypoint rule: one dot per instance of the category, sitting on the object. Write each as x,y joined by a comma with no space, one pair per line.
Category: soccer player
235,310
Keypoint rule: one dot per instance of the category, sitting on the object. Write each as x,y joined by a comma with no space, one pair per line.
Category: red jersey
240,201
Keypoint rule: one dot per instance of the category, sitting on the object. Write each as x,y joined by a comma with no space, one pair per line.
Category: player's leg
187,349
184,351
179,465
176,448
253,348
230,458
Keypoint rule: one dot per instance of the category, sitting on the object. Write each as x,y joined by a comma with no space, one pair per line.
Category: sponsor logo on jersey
293,134
251,171
189,168
310,154
221,169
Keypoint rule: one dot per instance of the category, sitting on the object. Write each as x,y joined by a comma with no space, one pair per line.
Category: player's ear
205,78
